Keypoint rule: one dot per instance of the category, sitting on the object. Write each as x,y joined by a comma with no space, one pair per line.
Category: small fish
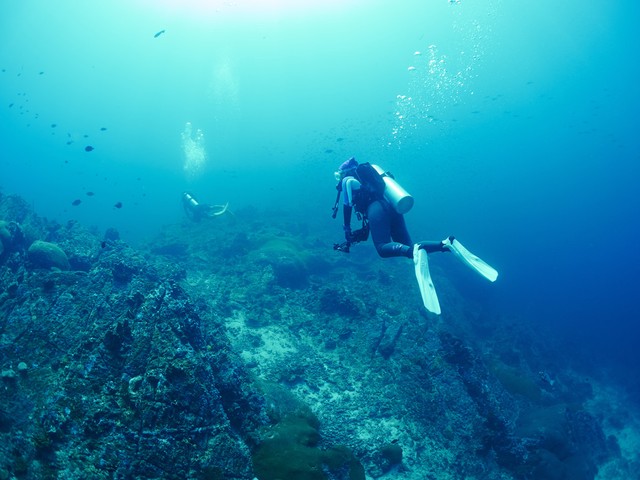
328,150
103,129
10,105
88,148
90,194
69,142
158,34
41,73
118,205
76,202
54,125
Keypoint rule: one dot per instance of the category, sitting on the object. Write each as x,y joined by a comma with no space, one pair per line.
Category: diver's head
347,168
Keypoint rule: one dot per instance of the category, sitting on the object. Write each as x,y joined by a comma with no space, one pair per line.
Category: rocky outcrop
114,372
47,255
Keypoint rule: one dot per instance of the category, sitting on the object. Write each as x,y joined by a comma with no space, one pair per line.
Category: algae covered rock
129,381
292,448
288,259
47,255
391,454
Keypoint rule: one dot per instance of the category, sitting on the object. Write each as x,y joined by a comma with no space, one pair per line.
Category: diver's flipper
220,209
427,290
479,265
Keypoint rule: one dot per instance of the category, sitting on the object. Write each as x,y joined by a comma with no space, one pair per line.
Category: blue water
512,124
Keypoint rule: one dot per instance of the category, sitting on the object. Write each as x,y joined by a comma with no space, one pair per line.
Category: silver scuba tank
190,200
397,196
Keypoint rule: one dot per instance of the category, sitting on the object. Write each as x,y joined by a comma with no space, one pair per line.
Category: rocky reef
243,347
110,370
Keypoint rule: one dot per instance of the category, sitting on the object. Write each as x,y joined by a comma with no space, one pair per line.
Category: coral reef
241,350
114,372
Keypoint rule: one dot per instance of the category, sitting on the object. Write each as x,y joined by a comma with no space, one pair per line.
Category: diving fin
222,209
217,210
479,265
427,290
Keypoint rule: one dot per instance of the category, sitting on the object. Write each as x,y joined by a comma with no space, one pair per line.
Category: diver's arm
346,212
349,186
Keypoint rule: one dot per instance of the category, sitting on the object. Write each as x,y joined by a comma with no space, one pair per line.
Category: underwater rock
337,301
111,234
129,381
288,260
390,456
8,375
22,368
291,447
47,255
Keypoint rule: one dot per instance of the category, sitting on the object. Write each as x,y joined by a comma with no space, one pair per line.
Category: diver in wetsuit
380,202
381,217
196,211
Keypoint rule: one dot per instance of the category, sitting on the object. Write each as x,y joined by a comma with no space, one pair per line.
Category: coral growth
254,350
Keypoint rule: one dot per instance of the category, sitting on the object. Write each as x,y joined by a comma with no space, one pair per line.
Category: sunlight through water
242,7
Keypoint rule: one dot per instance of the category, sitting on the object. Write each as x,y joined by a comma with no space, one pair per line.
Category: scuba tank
397,196
192,207
190,201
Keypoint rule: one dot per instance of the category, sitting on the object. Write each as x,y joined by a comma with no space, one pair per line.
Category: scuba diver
380,203
197,211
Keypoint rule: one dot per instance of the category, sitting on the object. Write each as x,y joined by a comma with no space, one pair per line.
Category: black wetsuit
387,227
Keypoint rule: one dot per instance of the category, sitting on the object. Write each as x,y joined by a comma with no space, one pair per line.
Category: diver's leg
433,246
380,228
399,232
